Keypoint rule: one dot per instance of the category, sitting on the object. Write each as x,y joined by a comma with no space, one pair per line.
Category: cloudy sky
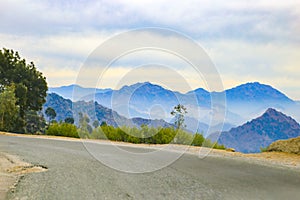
246,40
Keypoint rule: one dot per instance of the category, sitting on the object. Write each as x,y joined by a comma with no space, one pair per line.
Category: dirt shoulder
11,171
276,159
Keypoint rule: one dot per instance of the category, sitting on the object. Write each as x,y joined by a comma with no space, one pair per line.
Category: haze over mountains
67,91
66,108
147,103
148,100
260,132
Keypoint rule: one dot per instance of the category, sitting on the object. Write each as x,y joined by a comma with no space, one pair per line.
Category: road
74,174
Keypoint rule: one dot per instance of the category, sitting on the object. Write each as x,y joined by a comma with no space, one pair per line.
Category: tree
103,123
8,109
30,85
96,123
178,112
198,139
35,122
51,114
69,120
84,128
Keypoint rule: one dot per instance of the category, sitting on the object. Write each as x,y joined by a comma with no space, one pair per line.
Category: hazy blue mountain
256,92
67,91
249,99
261,132
147,100
138,122
140,99
247,93
202,95
62,107
66,108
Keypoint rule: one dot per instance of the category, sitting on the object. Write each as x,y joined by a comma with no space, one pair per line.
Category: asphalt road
75,174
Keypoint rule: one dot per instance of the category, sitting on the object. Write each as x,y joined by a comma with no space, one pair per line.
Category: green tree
69,120
96,123
30,85
51,114
84,128
178,112
8,109
198,139
35,122
103,123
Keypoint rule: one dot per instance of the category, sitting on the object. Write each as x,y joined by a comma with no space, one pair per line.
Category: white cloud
271,63
248,40
263,20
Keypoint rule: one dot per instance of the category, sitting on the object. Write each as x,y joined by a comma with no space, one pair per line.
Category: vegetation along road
74,174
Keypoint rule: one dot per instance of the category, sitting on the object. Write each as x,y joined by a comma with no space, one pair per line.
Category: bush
198,139
263,149
148,135
63,129
208,143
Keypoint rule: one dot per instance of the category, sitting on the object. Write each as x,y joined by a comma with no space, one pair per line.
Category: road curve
75,174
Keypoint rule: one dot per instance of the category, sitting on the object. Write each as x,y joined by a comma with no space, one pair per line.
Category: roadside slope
289,146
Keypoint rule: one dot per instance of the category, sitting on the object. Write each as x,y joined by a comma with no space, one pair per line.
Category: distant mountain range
66,108
256,93
147,100
67,91
147,103
260,132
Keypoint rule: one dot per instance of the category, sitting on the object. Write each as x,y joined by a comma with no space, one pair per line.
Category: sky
246,41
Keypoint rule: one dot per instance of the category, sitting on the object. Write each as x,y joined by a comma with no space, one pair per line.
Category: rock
288,146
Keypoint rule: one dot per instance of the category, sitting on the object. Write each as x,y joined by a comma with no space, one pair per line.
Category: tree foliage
8,109
35,122
69,120
151,135
144,134
51,114
96,123
85,129
178,112
30,85
63,129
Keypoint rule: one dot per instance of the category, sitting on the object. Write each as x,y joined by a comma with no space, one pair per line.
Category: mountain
202,95
256,92
138,122
252,98
67,92
147,100
66,108
260,132
62,107
140,99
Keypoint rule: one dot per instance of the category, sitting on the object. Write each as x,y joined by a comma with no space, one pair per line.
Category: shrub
198,139
263,149
148,135
63,129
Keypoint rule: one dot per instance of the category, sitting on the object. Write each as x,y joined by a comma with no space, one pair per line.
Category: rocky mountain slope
260,132
148,100
66,108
